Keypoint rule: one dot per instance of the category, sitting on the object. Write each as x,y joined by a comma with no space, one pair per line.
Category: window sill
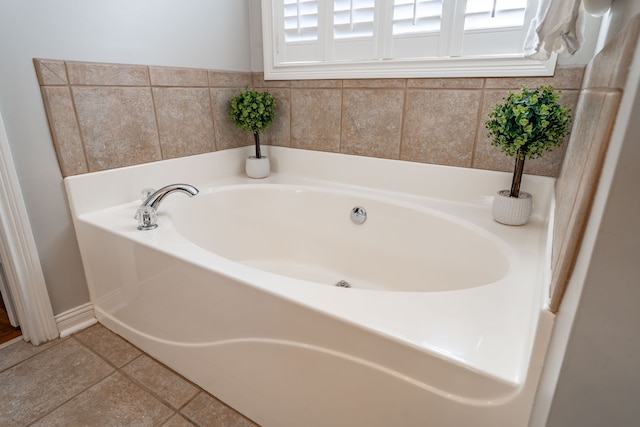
506,66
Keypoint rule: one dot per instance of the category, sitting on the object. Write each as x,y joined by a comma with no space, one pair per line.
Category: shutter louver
492,14
494,27
353,18
416,16
300,20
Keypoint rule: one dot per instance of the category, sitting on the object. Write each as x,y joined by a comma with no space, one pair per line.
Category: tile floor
96,378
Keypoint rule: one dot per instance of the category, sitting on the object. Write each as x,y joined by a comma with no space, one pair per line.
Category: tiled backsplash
595,115
104,116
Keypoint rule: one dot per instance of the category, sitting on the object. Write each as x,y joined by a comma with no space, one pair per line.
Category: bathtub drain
343,284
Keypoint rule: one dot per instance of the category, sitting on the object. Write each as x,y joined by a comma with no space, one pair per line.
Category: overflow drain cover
343,284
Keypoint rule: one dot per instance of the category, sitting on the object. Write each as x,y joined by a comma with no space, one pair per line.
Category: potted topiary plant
253,112
524,126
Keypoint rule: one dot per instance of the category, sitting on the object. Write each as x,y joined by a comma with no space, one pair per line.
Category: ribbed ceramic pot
257,168
512,210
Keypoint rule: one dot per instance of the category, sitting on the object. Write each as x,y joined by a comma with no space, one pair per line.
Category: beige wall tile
627,52
118,126
461,83
279,133
315,119
578,180
64,130
185,121
610,67
326,84
90,73
227,135
50,72
232,79
440,126
374,83
565,77
183,133
169,76
371,122
258,81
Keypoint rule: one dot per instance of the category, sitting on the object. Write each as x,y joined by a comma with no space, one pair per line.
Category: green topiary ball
528,123
252,111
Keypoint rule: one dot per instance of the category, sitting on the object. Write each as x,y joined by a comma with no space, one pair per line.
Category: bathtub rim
125,183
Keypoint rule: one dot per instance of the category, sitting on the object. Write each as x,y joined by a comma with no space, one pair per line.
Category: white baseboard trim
76,319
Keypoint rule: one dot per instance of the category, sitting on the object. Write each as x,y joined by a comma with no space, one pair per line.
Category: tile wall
602,90
104,116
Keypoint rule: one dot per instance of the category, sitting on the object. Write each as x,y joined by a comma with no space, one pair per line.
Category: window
397,38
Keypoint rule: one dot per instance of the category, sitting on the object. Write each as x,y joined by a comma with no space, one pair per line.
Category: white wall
186,33
592,371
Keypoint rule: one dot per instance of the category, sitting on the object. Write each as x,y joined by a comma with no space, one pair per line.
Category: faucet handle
147,218
146,193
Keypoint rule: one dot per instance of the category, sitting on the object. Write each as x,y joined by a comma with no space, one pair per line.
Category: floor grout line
72,398
113,369
50,346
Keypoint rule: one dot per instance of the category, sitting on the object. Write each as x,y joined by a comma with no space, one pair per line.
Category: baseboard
75,320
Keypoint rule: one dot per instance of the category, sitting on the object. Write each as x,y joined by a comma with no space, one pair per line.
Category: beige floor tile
206,410
43,382
163,382
20,351
115,401
177,421
108,345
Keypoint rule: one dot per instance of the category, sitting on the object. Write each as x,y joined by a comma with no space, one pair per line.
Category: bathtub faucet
156,198
147,214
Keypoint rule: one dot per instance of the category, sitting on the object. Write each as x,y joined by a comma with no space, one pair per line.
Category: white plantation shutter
416,17
494,27
353,18
416,29
379,32
299,36
490,14
300,20
354,30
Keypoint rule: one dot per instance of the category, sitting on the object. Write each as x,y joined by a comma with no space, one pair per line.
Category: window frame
506,65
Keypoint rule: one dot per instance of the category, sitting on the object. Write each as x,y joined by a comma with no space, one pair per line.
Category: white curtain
556,28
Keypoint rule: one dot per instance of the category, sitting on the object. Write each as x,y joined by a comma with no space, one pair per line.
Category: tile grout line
55,343
89,386
145,388
116,370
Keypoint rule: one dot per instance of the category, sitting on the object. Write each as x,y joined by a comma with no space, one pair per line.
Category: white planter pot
257,168
512,210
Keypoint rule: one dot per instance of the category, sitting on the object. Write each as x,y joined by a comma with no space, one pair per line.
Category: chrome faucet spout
156,198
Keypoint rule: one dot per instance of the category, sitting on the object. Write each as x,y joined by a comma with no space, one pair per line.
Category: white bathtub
444,323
